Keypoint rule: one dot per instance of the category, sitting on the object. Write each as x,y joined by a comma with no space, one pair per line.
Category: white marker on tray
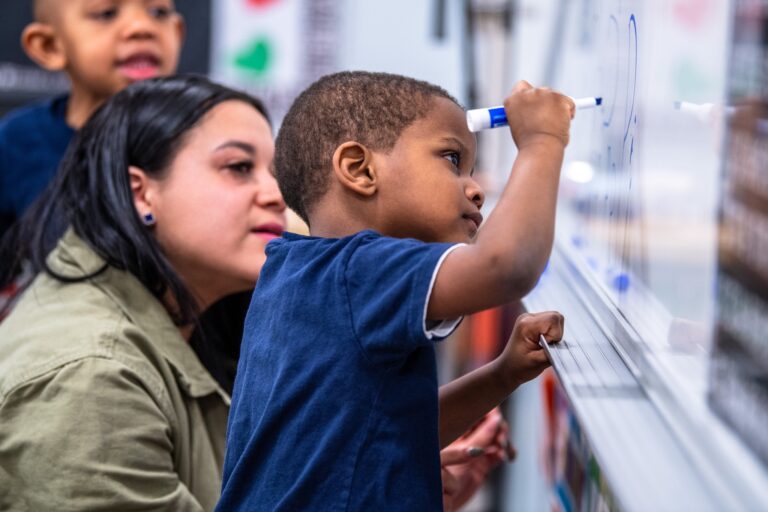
704,111
493,117
713,112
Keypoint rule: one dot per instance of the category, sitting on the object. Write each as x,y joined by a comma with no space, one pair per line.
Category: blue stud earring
148,219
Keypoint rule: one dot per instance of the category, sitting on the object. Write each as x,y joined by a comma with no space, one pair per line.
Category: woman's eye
453,158
241,167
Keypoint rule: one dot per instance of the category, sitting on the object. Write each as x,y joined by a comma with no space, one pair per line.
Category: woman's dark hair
144,126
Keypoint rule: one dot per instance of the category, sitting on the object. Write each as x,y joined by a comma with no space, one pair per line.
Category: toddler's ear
181,28
42,45
353,168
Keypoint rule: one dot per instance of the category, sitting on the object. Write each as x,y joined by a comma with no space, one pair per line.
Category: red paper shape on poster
692,13
261,3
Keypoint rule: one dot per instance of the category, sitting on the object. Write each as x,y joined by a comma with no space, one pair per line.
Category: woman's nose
268,192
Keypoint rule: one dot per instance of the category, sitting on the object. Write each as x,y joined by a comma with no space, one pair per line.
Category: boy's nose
475,193
140,23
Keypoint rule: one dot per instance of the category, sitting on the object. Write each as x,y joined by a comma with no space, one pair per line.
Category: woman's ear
142,190
353,168
42,45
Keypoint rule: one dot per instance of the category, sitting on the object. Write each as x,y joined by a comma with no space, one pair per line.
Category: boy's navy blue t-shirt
335,400
33,141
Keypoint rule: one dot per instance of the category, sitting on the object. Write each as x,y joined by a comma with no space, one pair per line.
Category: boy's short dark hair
370,108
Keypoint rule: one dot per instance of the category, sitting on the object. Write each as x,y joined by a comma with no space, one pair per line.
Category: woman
103,404
104,401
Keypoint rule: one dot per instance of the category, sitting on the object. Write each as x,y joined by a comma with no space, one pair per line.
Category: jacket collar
74,257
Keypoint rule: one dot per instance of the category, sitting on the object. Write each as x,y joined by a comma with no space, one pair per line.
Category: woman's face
219,204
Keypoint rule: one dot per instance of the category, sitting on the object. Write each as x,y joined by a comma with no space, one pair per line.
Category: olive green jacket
103,404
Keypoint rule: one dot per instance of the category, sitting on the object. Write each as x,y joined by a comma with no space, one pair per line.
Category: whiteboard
639,194
659,183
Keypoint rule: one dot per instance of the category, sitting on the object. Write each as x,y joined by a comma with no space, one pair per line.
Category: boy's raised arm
513,245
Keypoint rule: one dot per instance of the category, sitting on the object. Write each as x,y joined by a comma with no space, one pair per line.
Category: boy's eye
104,14
161,13
453,157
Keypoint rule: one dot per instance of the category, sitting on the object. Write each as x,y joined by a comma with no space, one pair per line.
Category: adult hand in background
466,462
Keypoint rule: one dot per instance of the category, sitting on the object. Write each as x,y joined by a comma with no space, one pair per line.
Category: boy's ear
142,190
353,167
42,45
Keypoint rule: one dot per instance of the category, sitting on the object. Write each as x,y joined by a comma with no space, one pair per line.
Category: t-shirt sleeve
388,284
88,436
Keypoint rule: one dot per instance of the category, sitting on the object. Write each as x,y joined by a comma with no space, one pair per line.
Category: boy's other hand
523,358
538,115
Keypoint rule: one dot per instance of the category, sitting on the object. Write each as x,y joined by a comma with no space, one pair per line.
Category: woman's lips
269,230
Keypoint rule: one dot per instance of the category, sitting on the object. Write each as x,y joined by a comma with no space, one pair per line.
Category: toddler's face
427,185
112,43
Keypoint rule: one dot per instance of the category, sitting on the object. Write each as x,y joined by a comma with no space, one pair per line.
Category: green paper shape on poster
256,58
690,81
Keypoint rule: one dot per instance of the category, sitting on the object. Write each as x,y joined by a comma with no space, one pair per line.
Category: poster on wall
738,388
575,479
274,48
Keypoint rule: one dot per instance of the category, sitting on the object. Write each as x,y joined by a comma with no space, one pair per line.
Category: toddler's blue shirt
335,400
33,140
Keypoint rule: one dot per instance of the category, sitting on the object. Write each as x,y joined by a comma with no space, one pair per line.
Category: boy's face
109,44
426,189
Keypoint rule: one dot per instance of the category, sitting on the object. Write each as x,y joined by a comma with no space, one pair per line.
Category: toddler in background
102,47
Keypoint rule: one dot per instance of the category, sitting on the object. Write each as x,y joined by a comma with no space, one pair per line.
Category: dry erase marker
493,117
712,112
703,111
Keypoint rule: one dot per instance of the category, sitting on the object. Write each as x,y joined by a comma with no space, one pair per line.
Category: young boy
102,46
335,404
